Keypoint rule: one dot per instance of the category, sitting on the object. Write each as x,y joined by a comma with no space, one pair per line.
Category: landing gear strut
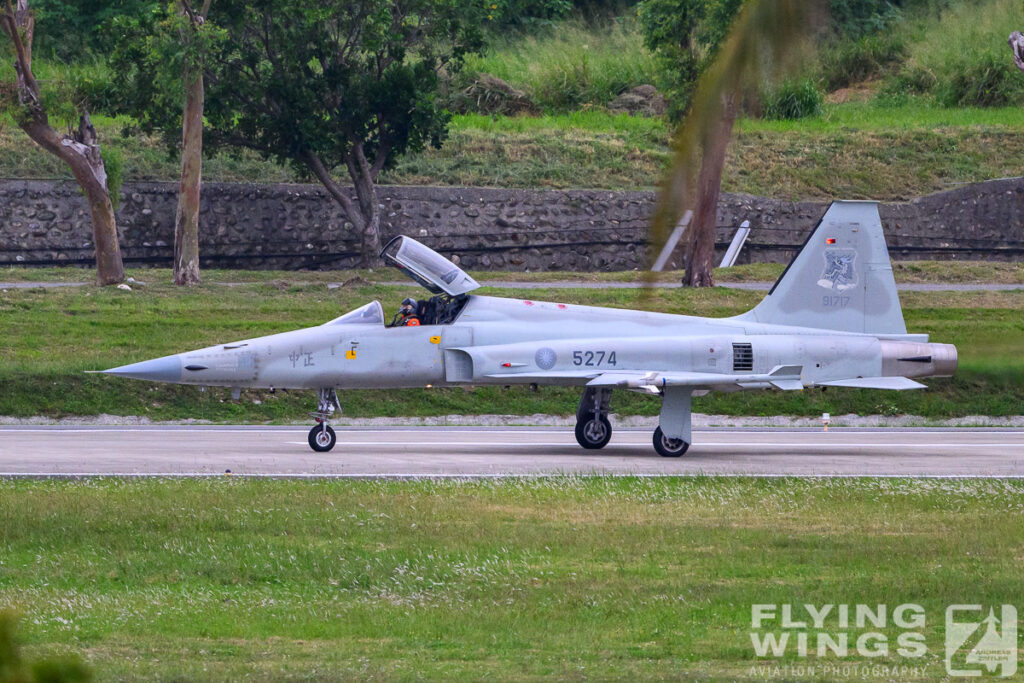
593,430
321,436
672,437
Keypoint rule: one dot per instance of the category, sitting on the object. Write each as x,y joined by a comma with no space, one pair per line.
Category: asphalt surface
502,284
490,451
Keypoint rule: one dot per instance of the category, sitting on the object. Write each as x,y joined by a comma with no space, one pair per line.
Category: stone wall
297,226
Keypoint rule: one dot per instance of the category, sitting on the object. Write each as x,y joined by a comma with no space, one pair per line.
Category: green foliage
113,162
524,15
296,80
860,18
855,60
684,36
15,669
70,30
151,54
971,64
571,66
793,99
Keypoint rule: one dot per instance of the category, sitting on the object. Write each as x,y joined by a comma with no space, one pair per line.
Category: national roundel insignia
545,358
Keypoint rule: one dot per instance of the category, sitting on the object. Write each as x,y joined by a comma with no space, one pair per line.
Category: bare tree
186,221
78,149
1017,45
762,42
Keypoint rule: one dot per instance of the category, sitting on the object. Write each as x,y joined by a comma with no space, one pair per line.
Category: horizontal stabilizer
893,383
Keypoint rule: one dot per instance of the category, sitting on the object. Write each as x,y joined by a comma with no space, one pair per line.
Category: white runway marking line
483,430
500,475
717,444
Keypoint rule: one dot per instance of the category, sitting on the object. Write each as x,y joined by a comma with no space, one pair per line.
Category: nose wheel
322,437
594,433
593,430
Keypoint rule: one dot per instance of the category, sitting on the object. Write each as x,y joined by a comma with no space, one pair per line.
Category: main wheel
593,433
322,439
668,448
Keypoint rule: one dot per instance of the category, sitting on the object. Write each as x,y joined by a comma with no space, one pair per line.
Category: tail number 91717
593,358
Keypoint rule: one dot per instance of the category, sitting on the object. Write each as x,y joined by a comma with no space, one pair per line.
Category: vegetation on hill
911,137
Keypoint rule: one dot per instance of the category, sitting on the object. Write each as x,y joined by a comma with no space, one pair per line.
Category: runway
503,451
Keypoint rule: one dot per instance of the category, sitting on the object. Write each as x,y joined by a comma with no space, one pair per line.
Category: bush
962,58
856,60
573,64
986,80
793,99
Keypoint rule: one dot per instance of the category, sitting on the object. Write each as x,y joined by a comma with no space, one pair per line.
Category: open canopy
427,267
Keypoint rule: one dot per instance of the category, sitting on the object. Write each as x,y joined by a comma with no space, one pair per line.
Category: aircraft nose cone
166,369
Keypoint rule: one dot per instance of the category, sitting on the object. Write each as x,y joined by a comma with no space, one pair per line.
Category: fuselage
508,341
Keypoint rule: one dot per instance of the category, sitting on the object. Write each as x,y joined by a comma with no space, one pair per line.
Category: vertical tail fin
841,279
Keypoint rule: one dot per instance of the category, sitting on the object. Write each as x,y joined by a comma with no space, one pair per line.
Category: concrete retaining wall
298,226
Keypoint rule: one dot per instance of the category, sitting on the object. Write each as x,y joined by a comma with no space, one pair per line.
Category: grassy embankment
855,150
48,338
517,580
918,133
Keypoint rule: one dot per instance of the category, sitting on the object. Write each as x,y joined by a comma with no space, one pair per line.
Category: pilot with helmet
408,314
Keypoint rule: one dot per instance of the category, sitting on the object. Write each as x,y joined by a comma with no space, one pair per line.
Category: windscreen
370,314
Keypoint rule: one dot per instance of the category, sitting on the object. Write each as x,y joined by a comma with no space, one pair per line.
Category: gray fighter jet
833,319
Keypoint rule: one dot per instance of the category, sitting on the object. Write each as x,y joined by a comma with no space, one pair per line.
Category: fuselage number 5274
593,358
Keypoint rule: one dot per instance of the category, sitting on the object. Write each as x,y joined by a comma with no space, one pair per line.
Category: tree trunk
352,212
1017,46
700,249
78,150
366,192
186,221
364,213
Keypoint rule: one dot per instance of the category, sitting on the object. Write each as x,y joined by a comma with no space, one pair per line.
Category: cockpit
448,283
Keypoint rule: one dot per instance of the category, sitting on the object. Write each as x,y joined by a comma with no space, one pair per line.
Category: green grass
910,272
971,65
564,578
48,338
571,64
854,150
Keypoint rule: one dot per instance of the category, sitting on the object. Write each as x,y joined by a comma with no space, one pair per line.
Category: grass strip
516,579
49,337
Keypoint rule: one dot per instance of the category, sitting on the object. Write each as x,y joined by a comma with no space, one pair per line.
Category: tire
593,434
668,448
322,440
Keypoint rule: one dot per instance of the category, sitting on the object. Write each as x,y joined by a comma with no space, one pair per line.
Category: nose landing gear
593,430
322,437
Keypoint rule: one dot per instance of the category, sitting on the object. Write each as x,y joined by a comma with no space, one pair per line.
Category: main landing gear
593,430
321,436
671,438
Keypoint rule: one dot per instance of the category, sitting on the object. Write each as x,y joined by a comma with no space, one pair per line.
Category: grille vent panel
742,358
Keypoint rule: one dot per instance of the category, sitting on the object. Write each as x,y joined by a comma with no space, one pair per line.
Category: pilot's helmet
408,306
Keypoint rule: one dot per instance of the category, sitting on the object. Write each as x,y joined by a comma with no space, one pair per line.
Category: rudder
840,280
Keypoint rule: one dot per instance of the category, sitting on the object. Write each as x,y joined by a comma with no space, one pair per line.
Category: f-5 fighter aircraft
833,319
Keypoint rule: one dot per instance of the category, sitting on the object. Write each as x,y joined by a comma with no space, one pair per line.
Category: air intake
742,358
